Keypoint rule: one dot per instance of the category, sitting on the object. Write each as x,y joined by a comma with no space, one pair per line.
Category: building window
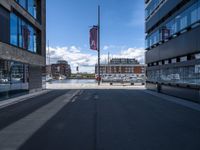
31,6
197,56
166,62
152,6
13,76
160,63
174,60
182,59
22,3
198,10
23,35
13,30
194,14
183,20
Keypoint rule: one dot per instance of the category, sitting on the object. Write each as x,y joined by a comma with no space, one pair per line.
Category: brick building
122,66
60,70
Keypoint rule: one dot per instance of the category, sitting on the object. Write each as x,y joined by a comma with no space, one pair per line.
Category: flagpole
99,77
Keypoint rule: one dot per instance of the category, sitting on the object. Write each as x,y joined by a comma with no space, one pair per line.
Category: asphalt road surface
99,120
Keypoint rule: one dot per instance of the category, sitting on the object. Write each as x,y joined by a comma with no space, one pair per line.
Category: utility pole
108,71
98,48
49,59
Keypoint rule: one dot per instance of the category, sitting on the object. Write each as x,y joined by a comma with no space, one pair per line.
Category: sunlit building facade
22,45
122,66
173,47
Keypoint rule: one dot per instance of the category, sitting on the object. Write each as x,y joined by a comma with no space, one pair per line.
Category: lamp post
98,48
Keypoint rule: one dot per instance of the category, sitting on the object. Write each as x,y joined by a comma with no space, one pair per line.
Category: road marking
16,134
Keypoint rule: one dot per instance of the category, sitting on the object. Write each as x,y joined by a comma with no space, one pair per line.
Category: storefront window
13,76
4,73
182,75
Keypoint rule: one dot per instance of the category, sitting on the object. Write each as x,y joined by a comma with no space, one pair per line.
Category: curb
22,98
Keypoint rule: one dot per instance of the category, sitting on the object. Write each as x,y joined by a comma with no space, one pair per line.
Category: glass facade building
186,18
22,46
152,7
173,49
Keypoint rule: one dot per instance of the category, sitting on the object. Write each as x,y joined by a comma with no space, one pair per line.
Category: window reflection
23,34
13,76
153,5
180,75
13,30
22,3
30,5
179,23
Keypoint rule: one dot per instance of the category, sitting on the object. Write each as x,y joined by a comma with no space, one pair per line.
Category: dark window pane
13,30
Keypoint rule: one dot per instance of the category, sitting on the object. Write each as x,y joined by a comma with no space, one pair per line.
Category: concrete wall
191,94
9,52
35,77
6,4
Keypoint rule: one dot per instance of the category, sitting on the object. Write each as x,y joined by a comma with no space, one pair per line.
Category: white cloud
106,47
113,47
86,61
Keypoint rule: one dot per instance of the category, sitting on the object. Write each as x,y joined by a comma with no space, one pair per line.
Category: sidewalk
180,101
93,86
15,100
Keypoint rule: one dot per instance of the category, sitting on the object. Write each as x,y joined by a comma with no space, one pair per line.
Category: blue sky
68,23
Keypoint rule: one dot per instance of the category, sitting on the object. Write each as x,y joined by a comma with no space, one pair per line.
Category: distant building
59,70
123,61
173,47
121,66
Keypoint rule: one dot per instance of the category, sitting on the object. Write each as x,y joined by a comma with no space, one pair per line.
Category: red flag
93,38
